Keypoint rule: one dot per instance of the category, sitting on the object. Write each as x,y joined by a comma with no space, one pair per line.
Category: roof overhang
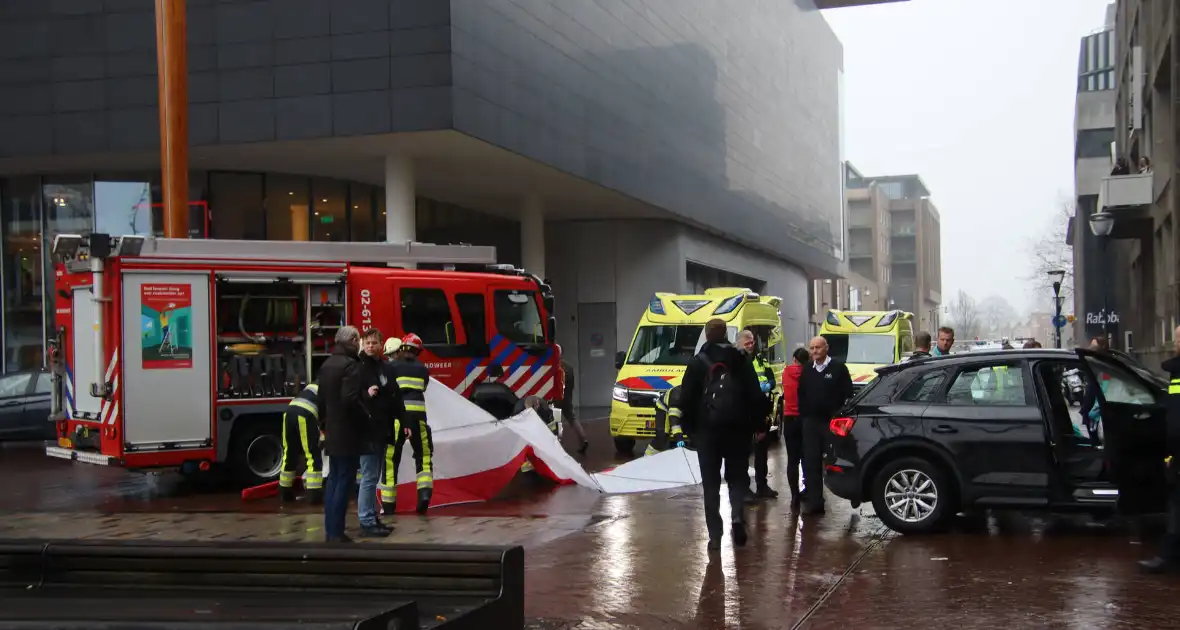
839,4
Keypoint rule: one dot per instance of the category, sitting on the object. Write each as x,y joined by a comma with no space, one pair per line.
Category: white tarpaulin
475,456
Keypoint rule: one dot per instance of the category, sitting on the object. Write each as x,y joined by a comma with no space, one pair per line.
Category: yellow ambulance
670,333
867,340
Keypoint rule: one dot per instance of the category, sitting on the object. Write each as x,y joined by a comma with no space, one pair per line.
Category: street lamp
1058,276
1101,225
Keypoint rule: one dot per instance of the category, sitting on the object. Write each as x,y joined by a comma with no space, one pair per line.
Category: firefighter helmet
393,344
412,341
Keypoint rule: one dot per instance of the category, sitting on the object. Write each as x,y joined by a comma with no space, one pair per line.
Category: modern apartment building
1144,207
914,251
1094,296
594,143
868,240
894,251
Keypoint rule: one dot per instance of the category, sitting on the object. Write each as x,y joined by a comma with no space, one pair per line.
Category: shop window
124,206
236,206
361,212
288,213
330,220
21,264
199,219
69,206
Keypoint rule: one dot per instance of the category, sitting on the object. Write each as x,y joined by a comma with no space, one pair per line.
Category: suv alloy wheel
912,496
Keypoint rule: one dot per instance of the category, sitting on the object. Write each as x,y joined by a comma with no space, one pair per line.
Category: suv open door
1134,430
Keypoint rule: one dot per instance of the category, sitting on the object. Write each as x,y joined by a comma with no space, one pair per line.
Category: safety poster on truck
166,327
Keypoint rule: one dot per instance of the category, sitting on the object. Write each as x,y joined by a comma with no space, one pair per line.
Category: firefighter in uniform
412,378
301,447
668,431
1168,558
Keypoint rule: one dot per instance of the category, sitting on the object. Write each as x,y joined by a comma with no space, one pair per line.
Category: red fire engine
183,354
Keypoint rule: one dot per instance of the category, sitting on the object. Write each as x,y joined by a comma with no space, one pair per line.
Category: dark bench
149,584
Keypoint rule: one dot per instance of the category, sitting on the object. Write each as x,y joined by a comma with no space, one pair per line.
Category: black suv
937,436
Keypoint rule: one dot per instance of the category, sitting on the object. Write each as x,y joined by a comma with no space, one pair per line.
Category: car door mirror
620,357
552,332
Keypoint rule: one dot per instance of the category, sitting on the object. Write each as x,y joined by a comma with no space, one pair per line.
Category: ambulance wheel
625,445
256,453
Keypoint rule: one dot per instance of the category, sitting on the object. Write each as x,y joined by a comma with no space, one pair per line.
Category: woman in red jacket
792,428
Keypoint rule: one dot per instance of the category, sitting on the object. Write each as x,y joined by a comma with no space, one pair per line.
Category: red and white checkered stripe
524,383
110,406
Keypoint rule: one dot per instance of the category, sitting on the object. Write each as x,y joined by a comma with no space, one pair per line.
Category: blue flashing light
729,305
656,306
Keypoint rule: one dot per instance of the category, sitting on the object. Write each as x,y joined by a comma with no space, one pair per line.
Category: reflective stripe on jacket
308,400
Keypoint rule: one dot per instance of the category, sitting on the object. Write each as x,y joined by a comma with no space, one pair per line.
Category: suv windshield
665,345
861,348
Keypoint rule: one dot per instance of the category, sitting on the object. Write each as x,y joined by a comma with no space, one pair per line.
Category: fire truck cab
183,354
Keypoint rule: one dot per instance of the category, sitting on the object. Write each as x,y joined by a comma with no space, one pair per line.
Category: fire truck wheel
625,445
256,453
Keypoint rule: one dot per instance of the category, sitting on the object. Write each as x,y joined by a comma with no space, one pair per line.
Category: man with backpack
721,410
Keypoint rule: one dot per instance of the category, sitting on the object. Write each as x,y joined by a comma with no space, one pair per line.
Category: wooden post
172,70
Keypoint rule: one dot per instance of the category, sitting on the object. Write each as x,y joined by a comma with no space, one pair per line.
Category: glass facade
224,205
23,273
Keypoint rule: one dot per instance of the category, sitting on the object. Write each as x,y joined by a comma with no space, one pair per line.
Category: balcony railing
1126,191
902,230
860,251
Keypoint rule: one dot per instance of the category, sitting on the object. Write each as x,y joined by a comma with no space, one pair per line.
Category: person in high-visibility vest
412,377
1167,558
748,344
301,447
669,434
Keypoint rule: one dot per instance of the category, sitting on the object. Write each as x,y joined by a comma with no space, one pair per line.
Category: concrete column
532,236
400,204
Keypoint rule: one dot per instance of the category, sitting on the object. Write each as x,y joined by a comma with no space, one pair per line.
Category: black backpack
719,404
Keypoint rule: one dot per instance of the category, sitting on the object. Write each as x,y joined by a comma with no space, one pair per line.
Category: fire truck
183,354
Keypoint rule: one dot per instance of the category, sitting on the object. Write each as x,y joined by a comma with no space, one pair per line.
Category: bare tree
1049,251
997,317
965,315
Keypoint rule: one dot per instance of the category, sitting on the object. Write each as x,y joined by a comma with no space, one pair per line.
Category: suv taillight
841,426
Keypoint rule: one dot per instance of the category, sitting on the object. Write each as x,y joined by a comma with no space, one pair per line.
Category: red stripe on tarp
474,488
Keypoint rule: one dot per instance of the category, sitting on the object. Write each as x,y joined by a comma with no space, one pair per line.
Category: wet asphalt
639,561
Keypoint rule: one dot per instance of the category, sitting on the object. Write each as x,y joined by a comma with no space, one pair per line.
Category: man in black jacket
922,342
824,386
720,400
567,406
381,411
347,426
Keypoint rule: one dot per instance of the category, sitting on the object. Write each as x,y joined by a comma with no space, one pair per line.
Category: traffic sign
1059,321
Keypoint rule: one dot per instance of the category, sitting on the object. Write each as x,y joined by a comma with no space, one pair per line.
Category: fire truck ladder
404,253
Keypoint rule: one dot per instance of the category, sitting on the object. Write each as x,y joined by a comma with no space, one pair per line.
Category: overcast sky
977,97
